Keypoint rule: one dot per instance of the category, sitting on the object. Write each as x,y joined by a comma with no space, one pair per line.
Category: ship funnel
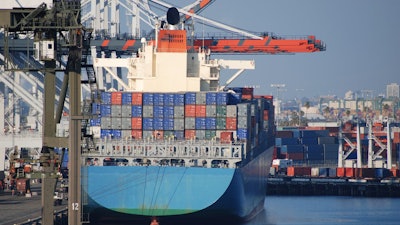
173,17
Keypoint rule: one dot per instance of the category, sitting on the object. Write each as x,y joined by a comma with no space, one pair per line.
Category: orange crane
243,43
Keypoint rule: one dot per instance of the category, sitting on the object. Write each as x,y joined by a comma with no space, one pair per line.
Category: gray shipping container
211,110
148,134
126,133
126,111
243,109
179,112
116,123
126,123
148,111
231,110
190,123
201,134
105,122
116,110
200,98
179,124
243,122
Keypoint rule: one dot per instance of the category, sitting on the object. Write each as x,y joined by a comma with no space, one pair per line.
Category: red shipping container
247,96
137,134
200,111
395,172
340,172
231,123
396,137
350,172
365,172
136,123
190,134
137,98
298,171
266,114
226,137
116,98
190,110
294,155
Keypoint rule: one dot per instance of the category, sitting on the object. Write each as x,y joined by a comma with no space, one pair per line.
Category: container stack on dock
307,146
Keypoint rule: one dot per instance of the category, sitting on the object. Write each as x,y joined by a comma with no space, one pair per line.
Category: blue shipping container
95,108
242,134
137,111
105,133
286,141
211,123
222,98
168,124
95,122
179,134
106,97
148,123
105,110
190,98
158,111
126,98
292,149
158,124
179,99
168,112
169,99
116,134
200,123
148,99
158,99
211,98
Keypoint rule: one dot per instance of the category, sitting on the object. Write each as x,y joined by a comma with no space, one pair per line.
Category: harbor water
328,210
314,210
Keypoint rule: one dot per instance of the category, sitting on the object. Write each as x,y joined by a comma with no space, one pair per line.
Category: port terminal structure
43,40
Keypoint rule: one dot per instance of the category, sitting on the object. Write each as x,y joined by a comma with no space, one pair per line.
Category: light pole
278,104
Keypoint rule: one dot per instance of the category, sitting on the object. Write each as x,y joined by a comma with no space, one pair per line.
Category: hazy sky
362,38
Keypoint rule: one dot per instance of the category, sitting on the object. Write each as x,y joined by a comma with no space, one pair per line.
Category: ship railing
196,149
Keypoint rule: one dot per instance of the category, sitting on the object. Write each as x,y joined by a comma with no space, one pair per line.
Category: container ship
178,144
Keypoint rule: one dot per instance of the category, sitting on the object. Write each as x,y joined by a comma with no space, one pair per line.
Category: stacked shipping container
192,115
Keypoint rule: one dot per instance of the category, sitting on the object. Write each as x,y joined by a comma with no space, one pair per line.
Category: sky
362,39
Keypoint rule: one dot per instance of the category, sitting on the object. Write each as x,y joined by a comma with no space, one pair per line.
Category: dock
333,186
26,210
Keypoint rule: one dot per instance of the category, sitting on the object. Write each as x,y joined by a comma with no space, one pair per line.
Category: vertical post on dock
358,146
389,146
370,143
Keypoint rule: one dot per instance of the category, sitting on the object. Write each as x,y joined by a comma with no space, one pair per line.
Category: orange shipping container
137,134
190,110
350,172
200,110
116,98
340,172
395,172
396,137
136,123
190,134
137,98
231,123
226,137
265,114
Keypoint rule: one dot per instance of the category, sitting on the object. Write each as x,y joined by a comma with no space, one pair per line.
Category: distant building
392,90
349,95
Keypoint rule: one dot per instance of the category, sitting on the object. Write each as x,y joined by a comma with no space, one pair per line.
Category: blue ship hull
147,191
